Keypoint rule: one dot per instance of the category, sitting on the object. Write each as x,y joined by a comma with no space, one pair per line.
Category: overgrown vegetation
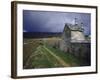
38,54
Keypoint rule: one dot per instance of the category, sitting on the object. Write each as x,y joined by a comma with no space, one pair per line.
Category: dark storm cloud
43,21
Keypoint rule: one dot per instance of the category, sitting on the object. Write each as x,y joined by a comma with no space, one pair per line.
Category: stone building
72,41
72,34
75,42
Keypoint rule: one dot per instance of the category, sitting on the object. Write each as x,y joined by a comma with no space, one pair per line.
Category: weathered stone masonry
74,42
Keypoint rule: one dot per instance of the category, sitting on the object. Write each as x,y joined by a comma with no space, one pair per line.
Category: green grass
36,56
29,48
44,59
67,57
52,59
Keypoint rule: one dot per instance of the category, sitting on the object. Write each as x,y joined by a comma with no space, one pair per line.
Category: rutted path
49,52
30,57
57,57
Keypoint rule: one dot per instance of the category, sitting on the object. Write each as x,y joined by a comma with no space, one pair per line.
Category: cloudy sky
50,21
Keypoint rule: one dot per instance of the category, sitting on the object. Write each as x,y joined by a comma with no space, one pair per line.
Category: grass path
30,57
57,57
47,58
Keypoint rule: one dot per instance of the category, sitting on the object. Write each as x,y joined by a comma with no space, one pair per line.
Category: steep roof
74,27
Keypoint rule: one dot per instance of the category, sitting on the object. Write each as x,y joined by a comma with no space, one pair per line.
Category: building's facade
72,34
74,41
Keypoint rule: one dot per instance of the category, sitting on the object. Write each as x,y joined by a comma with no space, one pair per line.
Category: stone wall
82,51
64,46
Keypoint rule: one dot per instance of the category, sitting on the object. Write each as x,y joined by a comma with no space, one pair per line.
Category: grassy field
38,54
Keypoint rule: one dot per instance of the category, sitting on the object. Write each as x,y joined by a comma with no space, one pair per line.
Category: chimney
82,26
76,21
